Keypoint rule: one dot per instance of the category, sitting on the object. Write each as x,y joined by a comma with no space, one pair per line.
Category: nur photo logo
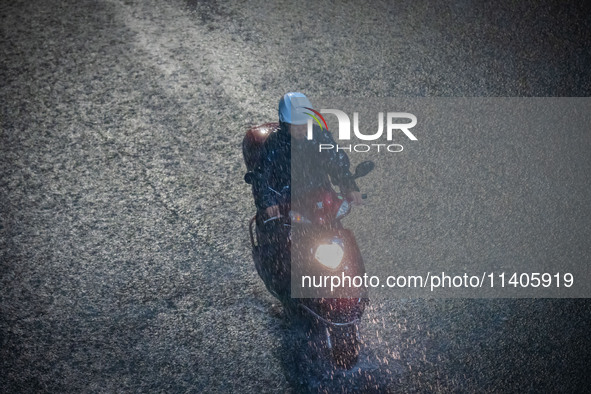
396,123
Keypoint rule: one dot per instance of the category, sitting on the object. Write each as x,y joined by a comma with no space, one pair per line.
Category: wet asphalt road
125,264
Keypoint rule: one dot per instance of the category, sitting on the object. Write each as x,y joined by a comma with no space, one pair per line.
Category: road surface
125,263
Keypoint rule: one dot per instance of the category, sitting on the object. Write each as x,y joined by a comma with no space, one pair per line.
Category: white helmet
292,108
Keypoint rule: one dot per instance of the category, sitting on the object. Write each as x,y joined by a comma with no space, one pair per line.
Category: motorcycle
308,234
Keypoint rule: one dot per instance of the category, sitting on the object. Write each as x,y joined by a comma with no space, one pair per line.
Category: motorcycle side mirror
364,168
250,177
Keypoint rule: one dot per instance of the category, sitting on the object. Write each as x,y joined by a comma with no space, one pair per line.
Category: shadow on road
308,368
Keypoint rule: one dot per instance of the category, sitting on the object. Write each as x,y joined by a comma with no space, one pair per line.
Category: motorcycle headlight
330,255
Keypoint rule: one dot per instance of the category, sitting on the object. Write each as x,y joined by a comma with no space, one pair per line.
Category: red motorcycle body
306,224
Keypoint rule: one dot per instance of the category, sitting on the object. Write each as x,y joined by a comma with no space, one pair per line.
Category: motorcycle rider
312,166
278,175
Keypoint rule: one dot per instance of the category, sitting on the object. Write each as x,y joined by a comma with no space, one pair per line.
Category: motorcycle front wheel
343,343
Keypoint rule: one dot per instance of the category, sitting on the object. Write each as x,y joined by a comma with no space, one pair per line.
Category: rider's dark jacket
299,165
